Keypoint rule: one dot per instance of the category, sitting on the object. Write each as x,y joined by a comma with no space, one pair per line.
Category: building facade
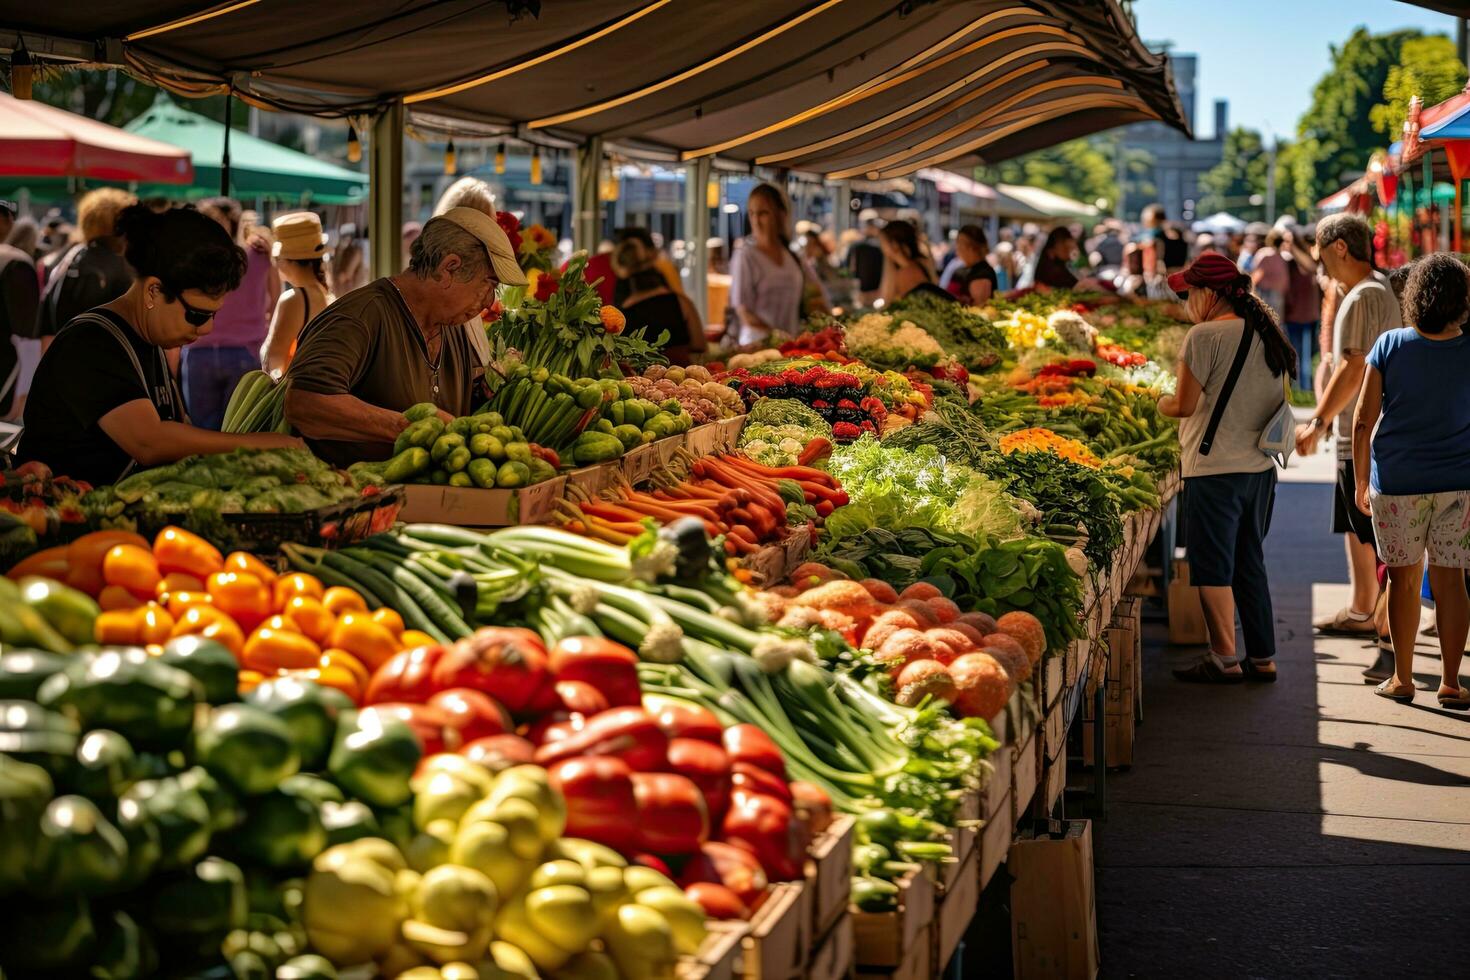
1178,161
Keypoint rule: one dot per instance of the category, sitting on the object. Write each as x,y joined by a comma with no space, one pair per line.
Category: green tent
257,168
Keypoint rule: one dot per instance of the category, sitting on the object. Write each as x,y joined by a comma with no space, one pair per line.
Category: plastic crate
326,527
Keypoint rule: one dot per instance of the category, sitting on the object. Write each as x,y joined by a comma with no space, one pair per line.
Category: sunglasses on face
194,316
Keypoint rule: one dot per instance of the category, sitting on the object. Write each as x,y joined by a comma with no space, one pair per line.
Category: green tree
1337,127
1240,175
1077,169
1428,67
114,97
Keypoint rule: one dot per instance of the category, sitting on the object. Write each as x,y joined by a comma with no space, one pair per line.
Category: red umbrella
38,140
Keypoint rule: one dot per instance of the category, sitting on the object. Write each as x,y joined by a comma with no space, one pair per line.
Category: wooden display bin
1053,912
917,965
719,955
829,875
474,507
836,955
1054,732
886,940
1025,771
995,839
998,786
956,910
776,944
961,840
1050,677
1053,782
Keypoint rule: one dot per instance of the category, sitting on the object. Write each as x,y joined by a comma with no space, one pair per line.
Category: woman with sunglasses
103,400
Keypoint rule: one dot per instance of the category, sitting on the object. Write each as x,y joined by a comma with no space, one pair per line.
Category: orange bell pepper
341,658
279,623
84,557
177,602
249,680
116,597
118,627
155,625
297,583
177,582
50,563
209,622
389,619
310,617
366,640
244,561
339,600
269,650
133,568
331,676
178,550
242,596
413,639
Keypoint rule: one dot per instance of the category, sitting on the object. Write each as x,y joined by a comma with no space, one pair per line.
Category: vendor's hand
1307,437
1363,499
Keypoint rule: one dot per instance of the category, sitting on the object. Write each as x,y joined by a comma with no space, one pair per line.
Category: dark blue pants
1303,337
209,375
1225,533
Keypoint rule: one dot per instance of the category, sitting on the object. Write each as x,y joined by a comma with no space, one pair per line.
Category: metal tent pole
385,191
587,223
696,233
224,162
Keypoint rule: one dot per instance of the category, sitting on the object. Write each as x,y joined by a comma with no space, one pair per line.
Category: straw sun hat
298,236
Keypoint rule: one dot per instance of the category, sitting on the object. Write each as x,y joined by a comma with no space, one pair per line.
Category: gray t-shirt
1369,310
1209,350
773,291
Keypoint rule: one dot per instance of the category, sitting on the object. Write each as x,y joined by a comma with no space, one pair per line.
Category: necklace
432,365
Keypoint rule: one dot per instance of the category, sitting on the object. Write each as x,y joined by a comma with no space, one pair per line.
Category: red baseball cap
1210,271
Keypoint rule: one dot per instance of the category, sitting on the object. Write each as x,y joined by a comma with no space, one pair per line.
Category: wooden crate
1025,771
1050,678
829,875
998,786
776,945
995,840
918,965
955,911
835,957
1053,782
1076,656
719,955
885,940
1053,732
961,840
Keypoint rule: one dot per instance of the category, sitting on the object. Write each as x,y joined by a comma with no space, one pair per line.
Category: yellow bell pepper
507,962
641,943
513,925
518,817
485,846
352,905
430,846
530,783
564,915
685,916
451,914
591,965
444,796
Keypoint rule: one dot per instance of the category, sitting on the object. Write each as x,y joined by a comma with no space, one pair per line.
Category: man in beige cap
385,347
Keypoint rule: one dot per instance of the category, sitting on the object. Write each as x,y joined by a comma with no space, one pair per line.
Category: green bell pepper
193,910
444,445
628,435
309,710
145,844
485,446
105,766
22,672
460,479
282,830
374,762
439,478
180,814
307,967
596,447
247,747
463,426
52,938
503,433
25,792
83,853
72,613
314,788
540,470
457,460
406,465
209,662
124,951
421,411
30,733
223,805
519,452
349,821
146,701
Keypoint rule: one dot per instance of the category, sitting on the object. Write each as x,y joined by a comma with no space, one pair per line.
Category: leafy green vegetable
1066,493
965,334
788,411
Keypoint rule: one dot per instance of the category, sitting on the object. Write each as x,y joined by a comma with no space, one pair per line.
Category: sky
1265,56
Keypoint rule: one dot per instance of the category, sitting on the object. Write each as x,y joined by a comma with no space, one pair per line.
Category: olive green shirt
368,345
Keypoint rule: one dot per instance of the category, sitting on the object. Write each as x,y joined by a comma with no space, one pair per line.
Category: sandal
1388,689
1344,622
1208,672
1458,701
1262,671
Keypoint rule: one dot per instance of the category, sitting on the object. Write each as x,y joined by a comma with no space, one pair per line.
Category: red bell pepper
708,766
753,779
609,667
812,804
717,901
429,723
407,676
653,861
600,803
581,698
554,726
630,734
671,814
496,752
764,826
732,867
507,663
473,714
684,719
747,743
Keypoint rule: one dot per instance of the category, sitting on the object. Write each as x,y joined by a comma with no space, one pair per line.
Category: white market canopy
1047,203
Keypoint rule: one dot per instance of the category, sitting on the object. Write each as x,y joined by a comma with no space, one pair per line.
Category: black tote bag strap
1230,379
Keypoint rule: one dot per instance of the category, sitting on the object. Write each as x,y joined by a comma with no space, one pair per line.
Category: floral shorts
1406,525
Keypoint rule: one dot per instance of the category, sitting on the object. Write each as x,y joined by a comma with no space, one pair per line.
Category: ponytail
1280,354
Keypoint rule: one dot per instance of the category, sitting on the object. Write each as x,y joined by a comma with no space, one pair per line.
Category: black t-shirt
94,276
83,375
20,291
982,271
656,314
865,260
1053,272
930,289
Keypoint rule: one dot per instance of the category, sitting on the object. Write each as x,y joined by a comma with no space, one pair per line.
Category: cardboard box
956,910
961,839
718,957
836,955
829,874
776,945
593,480
1025,772
473,507
917,965
730,431
1186,615
995,841
885,940
638,463
1053,912
705,439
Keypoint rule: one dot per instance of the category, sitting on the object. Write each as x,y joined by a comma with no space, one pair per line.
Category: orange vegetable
269,650
364,639
297,583
117,597
178,582
339,600
310,617
133,568
413,639
280,623
177,602
332,676
249,680
178,550
209,622
118,627
242,596
341,658
155,625
244,561
84,557
389,619
51,563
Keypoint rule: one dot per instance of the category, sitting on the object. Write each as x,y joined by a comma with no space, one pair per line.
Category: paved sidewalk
1304,828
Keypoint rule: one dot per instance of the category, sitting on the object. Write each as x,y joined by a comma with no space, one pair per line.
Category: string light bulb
500,158
712,194
21,72
354,145
536,165
449,158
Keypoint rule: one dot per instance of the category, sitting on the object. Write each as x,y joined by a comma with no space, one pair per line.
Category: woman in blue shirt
1417,489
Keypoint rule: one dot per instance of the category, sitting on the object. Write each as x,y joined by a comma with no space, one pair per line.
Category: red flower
494,312
546,287
512,228
846,430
